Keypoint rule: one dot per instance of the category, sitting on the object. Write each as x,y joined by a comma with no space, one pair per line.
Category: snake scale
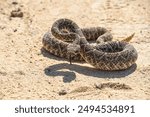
66,39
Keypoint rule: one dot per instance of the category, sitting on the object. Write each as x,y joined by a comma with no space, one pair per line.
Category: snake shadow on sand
68,76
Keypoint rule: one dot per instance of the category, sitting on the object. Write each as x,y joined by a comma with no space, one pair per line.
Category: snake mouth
72,51
72,54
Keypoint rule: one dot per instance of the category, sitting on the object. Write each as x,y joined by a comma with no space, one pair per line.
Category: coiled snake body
105,55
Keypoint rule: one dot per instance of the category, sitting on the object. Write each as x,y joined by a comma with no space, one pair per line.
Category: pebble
16,13
14,2
62,92
15,30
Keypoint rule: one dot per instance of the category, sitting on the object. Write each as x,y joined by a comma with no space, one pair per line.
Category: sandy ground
28,72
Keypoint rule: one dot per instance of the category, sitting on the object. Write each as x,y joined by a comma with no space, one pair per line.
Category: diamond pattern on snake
66,39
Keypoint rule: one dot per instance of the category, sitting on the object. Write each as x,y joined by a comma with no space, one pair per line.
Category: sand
29,72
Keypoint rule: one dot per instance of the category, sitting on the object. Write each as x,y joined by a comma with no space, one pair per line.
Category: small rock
98,86
15,30
14,2
16,13
62,92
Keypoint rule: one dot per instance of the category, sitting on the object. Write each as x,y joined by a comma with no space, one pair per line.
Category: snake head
73,50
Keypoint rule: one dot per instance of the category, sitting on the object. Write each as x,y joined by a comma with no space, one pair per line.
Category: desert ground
27,71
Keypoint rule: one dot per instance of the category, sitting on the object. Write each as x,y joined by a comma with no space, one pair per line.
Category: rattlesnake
105,55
